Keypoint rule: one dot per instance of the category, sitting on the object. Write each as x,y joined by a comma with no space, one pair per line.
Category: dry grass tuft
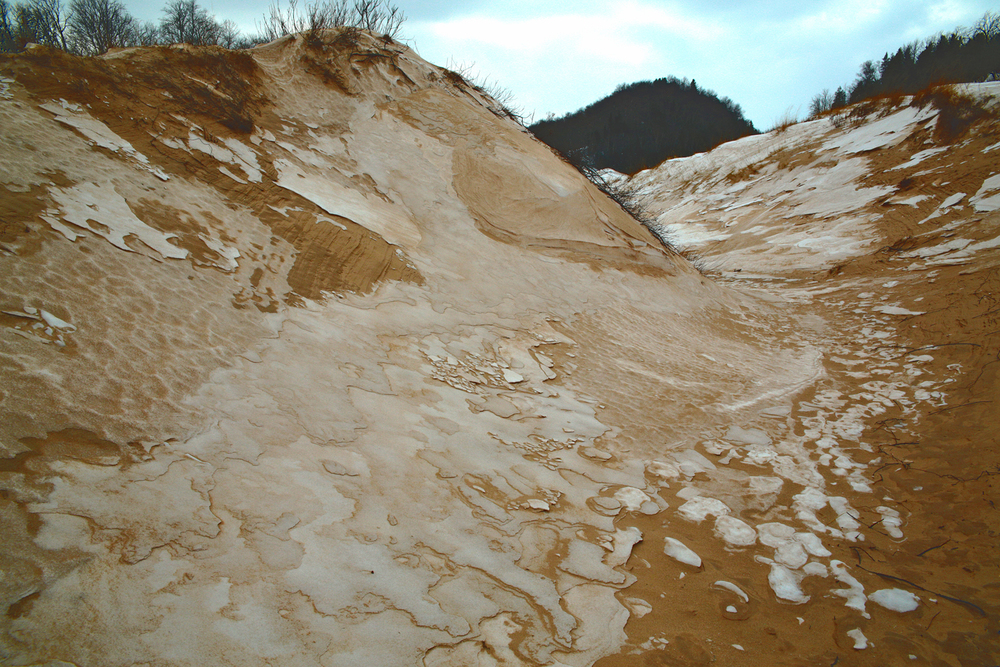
957,113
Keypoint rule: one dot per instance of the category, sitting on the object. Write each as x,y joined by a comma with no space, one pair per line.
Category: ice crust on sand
116,221
318,457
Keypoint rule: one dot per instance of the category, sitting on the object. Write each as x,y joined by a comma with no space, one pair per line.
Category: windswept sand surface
314,357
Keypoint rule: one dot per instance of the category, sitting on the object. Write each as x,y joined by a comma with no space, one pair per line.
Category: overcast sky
556,56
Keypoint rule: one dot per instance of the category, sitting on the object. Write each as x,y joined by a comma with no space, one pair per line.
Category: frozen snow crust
332,363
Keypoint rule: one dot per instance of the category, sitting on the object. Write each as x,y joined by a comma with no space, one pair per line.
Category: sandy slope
314,357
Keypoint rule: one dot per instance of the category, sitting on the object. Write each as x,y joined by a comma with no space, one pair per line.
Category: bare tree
378,16
35,21
988,26
98,25
8,29
146,34
48,22
822,103
184,22
228,35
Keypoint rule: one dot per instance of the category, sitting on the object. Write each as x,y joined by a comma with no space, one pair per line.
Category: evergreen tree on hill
642,124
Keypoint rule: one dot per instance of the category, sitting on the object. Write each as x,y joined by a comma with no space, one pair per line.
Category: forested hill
642,124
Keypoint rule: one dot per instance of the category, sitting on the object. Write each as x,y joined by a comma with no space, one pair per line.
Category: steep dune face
278,364
311,356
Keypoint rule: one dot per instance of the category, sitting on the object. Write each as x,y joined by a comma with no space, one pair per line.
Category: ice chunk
678,551
55,322
785,584
631,498
735,532
512,377
895,599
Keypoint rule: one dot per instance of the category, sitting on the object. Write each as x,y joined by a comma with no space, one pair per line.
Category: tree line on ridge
964,55
92,27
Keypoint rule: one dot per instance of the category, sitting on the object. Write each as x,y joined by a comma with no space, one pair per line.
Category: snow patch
734,531
698,508
785,584
115,220
860,641
895,599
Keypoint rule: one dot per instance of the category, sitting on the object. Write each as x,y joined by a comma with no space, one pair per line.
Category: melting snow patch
981,202
98,133
631,498
919,157
911,201
688,234
891,522
860,641
880,133
384,219
735,532
698,508
855,593
680,552
116,221
785,584
945,205
787,550
895,599
638,607
952,200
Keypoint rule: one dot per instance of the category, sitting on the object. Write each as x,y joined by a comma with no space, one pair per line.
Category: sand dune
310,355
